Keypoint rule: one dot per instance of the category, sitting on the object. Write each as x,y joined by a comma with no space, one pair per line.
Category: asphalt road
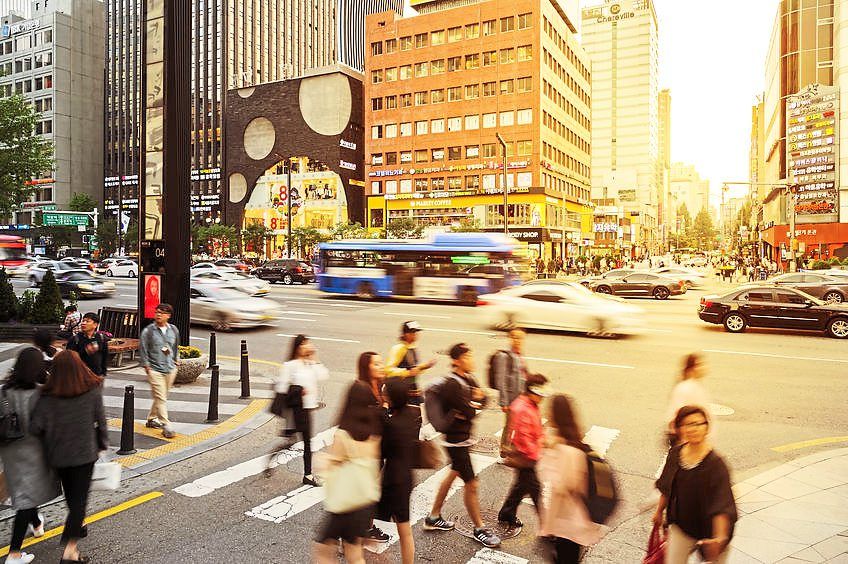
778,387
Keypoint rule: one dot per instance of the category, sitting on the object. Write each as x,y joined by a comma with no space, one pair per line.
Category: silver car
243,282
37,271
225,308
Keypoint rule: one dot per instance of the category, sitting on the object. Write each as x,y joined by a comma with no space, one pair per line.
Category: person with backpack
30,480
525,437
91,345
451,407
507,373
564,471
71,325
403,361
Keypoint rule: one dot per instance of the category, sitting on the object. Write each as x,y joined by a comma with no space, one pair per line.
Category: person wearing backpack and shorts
507,374
459,397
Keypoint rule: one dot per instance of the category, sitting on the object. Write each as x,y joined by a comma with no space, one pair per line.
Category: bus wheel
365,291
468,296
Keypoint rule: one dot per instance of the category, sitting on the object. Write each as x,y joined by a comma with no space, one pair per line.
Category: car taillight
706,303
482,302
298,270
682,284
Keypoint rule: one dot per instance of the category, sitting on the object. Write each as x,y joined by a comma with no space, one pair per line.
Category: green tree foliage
255,236
81,202
304,239
107,237
703,231
26,304
684,216
48,307
8,300
349,231
214,237
404,228
466,225
131,237
23,154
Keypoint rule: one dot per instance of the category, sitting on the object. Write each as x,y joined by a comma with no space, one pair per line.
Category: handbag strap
5,408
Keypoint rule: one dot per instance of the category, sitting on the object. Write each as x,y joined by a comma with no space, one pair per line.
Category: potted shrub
191,366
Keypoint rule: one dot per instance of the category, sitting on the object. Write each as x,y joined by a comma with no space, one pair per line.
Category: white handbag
353,484
106,476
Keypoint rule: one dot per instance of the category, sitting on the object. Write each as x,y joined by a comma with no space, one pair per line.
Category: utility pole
289,206
504,186
793,243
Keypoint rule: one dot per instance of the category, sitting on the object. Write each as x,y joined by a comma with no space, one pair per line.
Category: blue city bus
448,267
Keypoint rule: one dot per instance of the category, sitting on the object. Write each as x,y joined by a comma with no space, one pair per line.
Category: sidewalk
794,513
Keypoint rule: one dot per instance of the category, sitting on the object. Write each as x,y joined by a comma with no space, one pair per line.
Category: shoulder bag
10,425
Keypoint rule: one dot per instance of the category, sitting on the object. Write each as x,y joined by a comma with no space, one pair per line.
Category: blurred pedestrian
403,360
71,325
357,440
525,439
301,376
372,372
91,345
29,479
159,355
689,390
564,472
696,501
400,440
43,340
70,419
508,371
462,396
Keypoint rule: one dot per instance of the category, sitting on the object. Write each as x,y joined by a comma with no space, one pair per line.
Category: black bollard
128,422
244,378
213,352
212,414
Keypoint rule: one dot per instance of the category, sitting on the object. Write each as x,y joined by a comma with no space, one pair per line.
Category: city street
775,392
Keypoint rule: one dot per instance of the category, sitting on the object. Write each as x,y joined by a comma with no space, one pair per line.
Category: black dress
400,439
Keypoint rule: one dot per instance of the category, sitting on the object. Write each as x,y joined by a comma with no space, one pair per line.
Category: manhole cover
487,445
721,410
465,527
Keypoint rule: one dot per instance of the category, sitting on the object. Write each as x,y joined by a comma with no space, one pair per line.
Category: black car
775,306
637,284
83,284
827,288
615,274
287,271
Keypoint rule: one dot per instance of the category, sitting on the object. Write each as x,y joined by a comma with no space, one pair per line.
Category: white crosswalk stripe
489,556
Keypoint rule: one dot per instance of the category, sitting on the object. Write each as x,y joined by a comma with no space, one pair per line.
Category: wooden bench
122,323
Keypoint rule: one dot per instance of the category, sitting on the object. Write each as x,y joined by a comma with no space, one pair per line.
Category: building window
405,186
421,185
391,45
376,187
454,34
472,182
454,124
405,157
421,127
437,37
525,52
490,58
525,84
507,24
421,155
421,98
472,122
472,61
421,69
376,132
376,48
490,120
437,154
406,129
437,126
44,105
391,186
507,118
525,21
420,40
43,82
406,72
391,158
472,31
437,183
507,86
437,66
42,60
507,56
489,89
376,104
490,150
22,65
391,130
391,102
376,76
454,183
391,74
454,93
376,158
525,148
472,151
524,116
489,27
406,43
472,91
437,96
44,127
454,153
405,100
454,64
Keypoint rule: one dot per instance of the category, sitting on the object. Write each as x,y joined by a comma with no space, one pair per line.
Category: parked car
614,274
122,268
37,271
208,266
226,308
242,282
236,264
564,306
692,278
287,271
640,284
828,288
770,305
78,262
83,284
696,261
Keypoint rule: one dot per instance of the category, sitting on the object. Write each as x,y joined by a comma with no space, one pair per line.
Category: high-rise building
442,89
687,188
55,61
666,208
235,44
621,38
21,8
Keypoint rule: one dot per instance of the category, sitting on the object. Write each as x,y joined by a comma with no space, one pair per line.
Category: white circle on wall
259,138
246,92
326,103
238,187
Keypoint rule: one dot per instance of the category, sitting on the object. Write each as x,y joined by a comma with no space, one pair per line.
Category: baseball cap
458,350
541,390
410,327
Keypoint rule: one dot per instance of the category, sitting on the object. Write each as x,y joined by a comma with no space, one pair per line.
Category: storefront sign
50,219
20,27
205,174
347,165
605,227
347,144
527,235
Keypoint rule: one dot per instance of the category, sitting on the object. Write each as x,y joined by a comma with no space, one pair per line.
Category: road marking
786,357
198,390
127,305
487,556
126,295
295,312
311,338
257,361
90,519
207,484
600,439
460,331
193,338
579,362
414,315
184,406
806,444
9,346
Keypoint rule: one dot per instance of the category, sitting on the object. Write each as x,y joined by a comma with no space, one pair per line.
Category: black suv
287,271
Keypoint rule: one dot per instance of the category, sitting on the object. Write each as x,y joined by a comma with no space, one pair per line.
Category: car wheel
131,274
735,323
603,290
222,323
468,297
508,324
599,329
109,273
288,280
838,328
661,293
833,297
365,291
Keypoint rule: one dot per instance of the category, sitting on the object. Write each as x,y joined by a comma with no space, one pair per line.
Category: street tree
349,231
218,237
466,225
106,234
703,231
254,237
23,154
131,237
48,308
81,202
684,217
404,228
304,239
8,300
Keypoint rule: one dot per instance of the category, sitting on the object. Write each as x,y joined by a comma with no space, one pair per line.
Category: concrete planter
22,332
190,369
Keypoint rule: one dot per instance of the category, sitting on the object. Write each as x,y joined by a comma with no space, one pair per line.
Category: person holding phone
403,361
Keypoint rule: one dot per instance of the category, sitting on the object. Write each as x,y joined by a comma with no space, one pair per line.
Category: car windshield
219,293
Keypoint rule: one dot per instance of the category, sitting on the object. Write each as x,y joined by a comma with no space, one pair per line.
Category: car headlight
84,286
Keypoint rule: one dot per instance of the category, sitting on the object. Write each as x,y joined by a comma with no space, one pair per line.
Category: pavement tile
818,457
804,531
841,559
818,476
835,466
809,555
826,497
813,513
840,491
788,488
736,556
771,551
753,528
754,506
759,495
770,475
742,489
792,560
832,547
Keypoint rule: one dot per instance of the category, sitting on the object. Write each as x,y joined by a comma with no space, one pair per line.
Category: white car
38,270
692,278
210,266
562,306
242,282
226,308
120,267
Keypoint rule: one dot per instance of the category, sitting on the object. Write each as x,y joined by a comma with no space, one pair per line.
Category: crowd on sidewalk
367,472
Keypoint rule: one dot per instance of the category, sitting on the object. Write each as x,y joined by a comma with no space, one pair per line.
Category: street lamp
503,185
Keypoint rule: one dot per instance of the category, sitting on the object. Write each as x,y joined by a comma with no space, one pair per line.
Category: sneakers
437,524
168,434
311,481
25,558
513,524
154,424
375,534
39,530
487,538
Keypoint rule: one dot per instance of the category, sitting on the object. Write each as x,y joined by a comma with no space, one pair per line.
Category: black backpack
493,382
602,498
434,406
10,425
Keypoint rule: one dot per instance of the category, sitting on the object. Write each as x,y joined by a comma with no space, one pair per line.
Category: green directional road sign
50,219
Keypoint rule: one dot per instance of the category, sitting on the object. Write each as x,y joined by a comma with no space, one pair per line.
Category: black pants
565,551
526,483
23,519
302,419
75,483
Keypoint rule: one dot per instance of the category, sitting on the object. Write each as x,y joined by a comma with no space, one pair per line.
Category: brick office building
441,85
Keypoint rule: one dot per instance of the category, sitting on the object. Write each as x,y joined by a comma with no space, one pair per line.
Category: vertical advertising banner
152,294
812,150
